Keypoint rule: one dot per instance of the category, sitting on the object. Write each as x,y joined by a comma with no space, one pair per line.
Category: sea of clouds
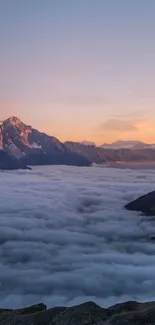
65,237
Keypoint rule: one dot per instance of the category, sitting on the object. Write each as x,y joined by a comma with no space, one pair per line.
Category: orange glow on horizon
80,127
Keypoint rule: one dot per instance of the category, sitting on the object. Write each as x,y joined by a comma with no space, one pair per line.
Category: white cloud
65,237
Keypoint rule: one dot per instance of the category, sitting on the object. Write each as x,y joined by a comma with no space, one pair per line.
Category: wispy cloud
81,100
138,114
118,125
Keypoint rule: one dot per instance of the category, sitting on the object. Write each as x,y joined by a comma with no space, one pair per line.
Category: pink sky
80,72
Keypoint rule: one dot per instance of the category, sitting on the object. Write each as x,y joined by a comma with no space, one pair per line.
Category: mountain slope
8,162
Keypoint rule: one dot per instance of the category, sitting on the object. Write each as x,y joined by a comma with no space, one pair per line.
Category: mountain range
134,145
21,145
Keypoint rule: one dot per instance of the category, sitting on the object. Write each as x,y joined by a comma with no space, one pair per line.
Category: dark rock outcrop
131,313
144,204
8,162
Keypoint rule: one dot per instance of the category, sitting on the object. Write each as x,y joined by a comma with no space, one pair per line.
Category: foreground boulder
131,313
144,204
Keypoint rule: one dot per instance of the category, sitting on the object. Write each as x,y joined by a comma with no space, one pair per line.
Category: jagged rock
131,313
144,204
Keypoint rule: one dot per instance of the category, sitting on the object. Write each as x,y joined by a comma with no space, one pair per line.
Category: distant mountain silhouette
135,145
100,155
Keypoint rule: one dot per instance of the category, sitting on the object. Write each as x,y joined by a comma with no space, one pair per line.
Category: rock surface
131,313
144,204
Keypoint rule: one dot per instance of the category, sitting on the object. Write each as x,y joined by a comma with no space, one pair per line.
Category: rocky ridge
129,313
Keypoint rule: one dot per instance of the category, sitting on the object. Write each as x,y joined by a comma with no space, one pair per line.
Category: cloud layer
65,237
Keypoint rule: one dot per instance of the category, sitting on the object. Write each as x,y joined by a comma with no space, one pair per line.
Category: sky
79,69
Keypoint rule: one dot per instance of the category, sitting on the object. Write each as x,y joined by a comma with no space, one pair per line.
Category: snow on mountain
36,145
88,143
